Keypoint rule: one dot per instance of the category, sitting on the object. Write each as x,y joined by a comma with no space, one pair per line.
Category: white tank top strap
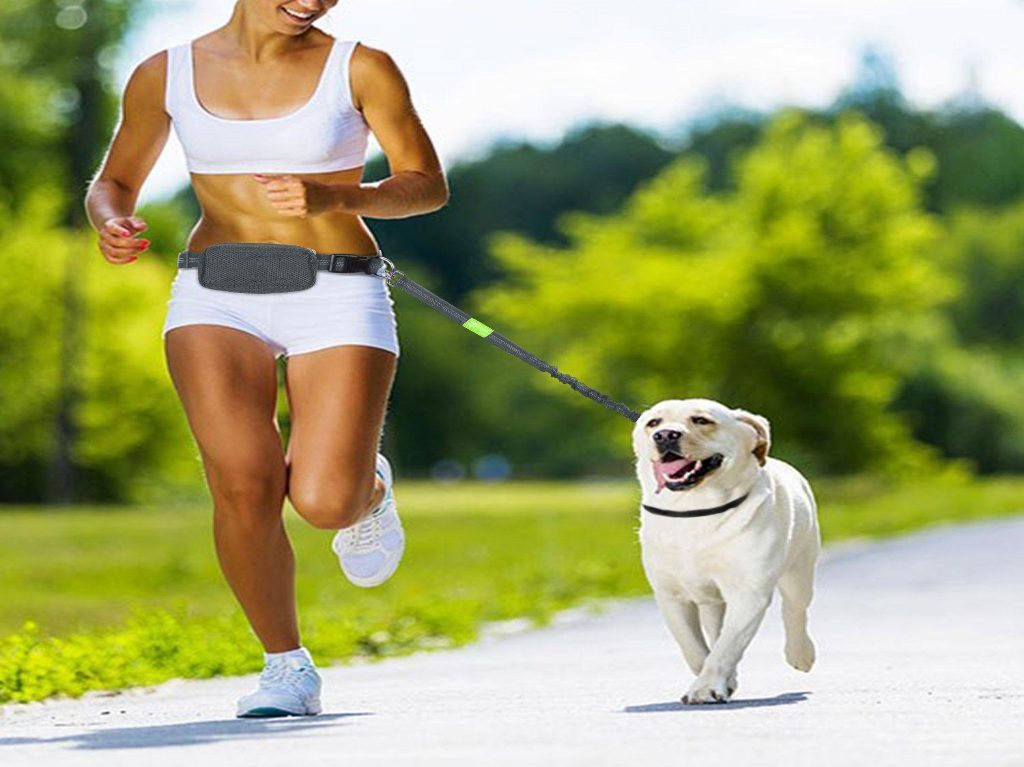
172,85
346,49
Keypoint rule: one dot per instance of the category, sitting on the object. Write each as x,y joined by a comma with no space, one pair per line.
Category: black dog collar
697,512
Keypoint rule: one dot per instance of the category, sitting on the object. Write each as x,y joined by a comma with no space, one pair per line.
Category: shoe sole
267,712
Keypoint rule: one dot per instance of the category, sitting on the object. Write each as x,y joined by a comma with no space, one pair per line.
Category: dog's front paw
800,653
713,691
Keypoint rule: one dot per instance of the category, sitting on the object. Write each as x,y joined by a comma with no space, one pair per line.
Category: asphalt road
920,662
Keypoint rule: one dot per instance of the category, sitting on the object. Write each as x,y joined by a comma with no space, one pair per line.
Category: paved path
921,662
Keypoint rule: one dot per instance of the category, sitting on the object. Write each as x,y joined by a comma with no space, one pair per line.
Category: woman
274,116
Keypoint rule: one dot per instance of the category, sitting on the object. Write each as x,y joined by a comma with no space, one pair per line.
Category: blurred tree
979,149
718,138
519,187
65,52
966,401
987,249
802,295
965,398
29,343
58,99
132,436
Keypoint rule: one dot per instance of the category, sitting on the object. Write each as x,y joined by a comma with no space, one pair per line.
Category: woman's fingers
118,255
286,194
286,197
116,242
126,242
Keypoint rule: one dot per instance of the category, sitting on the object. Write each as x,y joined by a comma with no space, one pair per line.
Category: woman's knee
251,493
332,506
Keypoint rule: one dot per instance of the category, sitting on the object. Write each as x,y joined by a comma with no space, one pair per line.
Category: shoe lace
364,535
283,675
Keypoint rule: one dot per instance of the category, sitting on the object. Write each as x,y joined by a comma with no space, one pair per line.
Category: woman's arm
138,141
417,183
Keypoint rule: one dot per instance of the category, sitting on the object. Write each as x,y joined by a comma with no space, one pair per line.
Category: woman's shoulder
369,60
373,70
151,68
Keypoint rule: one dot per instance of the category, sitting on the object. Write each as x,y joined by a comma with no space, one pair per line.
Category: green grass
125,596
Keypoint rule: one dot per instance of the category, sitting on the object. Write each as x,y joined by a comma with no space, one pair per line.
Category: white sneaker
369,551
288,687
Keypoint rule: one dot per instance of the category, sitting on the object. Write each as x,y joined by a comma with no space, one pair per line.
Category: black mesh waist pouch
257,267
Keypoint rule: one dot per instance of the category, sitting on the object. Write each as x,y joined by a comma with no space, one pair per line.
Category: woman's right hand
117,242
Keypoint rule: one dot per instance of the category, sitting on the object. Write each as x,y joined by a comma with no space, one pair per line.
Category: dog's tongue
664,469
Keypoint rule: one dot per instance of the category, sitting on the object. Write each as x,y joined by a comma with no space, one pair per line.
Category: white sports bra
324,134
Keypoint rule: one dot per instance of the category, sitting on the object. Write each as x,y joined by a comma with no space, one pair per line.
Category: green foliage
31,251
522,187
964,396
814,282
967,402
987,250
57,96
131,432
132,596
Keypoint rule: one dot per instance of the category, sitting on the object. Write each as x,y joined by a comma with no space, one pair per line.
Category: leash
697,512
395,278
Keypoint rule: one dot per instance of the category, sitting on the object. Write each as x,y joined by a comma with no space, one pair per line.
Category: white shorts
338,309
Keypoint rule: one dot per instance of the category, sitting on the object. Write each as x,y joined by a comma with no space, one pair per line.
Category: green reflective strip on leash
477,327
395,278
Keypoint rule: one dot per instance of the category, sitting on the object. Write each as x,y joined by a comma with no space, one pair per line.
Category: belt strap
338,263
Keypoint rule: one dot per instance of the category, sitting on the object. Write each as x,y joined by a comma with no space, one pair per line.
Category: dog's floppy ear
763,429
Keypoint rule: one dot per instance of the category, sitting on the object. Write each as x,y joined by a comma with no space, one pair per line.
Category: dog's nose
666,437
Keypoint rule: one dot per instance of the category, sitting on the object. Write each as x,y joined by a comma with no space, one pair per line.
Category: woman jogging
274,115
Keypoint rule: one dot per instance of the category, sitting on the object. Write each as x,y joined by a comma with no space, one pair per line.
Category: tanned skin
262,64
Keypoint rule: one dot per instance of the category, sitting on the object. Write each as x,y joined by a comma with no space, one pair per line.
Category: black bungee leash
395,278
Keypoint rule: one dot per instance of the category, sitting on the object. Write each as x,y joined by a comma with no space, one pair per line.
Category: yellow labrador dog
723,525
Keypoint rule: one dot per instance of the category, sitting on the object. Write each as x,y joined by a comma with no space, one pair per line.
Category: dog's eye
653,422
701,420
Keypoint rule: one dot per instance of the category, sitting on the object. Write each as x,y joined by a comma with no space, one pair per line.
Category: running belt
339,263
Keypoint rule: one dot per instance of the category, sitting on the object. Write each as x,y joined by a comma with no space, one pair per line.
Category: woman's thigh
227,381
338,398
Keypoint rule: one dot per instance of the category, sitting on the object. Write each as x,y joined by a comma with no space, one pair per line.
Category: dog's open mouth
680,472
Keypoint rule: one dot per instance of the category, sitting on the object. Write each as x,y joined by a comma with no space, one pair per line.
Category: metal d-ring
391,271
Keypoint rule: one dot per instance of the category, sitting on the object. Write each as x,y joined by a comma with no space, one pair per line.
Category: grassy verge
121,597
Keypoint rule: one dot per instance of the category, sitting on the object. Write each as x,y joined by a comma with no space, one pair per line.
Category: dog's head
681,444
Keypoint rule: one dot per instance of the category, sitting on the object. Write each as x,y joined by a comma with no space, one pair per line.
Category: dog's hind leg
684,622
797,588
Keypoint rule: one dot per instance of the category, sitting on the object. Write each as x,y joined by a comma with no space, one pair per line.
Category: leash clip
390,271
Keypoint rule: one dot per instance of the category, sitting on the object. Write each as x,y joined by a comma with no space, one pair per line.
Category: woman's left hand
293,196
